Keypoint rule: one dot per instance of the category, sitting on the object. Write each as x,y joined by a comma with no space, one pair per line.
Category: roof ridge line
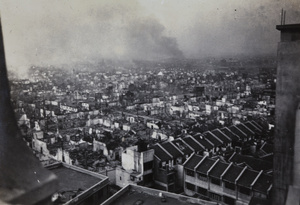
221,177
171,142
212,166
256,178
165,150
188,159
200,162
242,172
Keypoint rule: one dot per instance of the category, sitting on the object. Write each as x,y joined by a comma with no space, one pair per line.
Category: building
287,100
133,194
137,166
223,182
78,186
168,169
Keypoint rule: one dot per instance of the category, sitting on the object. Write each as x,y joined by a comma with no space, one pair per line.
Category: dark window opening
148,165
202,191
190,186
229,185
148,178
216,181
244,190
190,173
214,196
202,177
229,200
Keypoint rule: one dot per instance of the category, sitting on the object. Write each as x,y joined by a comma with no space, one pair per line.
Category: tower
287,100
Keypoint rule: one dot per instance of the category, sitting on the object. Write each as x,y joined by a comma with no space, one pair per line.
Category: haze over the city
65,32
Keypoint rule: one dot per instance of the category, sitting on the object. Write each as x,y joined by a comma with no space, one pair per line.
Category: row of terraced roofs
229,172
206,141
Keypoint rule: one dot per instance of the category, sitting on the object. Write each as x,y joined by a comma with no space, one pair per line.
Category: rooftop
133,194
161,154
205,165
218,169
193,143
171,149
75,181
221,136
213,139
192,162
247,178
232,173
230,134
237,131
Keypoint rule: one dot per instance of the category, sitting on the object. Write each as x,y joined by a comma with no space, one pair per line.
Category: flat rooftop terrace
137,195
72,180
74,183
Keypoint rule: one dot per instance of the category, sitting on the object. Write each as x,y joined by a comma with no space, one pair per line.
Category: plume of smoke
72,31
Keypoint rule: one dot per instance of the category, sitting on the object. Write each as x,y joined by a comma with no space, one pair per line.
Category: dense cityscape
156,124
150,102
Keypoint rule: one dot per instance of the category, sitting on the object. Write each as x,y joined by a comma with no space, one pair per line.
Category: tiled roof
171,149
238,132
232,173
161,154
255,163
182,146
218,169
192,142
230,134
256,124
246,130
253,127
205,165
247,178
263,183
192,162
267,148
212,138
203,142
221,136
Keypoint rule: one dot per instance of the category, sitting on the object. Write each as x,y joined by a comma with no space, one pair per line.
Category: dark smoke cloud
83,32
146,38
55,32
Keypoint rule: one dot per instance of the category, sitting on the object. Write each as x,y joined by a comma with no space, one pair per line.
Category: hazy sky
54,32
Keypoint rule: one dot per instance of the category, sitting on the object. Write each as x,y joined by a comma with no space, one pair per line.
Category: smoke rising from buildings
40,32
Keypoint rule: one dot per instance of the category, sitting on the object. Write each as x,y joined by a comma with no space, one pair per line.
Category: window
120,178
216,181
190,186
229,200
245,190
202,177
229,185
190,173
214,196
148,165
202,191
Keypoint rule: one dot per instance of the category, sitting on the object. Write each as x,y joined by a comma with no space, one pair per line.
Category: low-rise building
224,182
137,166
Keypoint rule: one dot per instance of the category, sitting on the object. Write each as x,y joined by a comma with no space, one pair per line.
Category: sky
65,32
